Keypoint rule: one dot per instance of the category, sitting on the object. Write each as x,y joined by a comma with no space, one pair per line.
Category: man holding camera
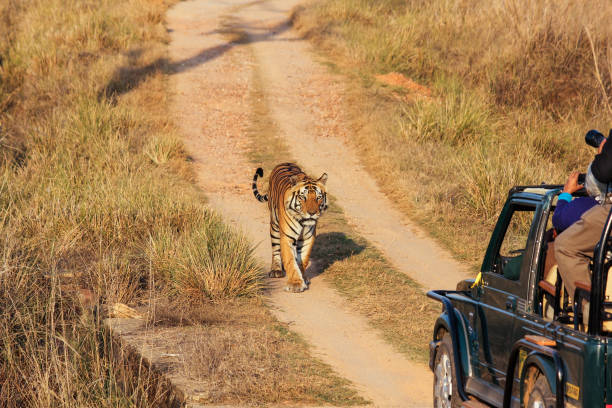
575,246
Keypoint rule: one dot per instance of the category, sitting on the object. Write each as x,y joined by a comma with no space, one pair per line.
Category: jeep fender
545,365
443,324
543,357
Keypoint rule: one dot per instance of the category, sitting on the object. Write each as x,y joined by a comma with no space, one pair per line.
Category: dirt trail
213,81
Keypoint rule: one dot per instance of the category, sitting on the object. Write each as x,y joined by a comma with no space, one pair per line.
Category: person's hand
571,185
602,145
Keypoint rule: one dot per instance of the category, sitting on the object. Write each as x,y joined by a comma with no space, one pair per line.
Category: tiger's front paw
305,278
296,287
276,273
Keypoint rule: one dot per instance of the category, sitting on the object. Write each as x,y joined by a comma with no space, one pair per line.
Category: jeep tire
541,396
445,393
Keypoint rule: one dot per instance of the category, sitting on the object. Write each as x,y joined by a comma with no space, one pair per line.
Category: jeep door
508,257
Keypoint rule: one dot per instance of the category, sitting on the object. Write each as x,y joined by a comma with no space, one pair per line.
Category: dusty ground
213,80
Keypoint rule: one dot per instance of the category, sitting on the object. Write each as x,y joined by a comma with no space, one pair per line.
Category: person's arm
559,217
601,167
568,212
563,216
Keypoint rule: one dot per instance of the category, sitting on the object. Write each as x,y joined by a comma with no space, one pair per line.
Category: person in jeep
569,209
575,246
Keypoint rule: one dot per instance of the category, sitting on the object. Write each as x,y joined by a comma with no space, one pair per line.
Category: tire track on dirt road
212,80
306,104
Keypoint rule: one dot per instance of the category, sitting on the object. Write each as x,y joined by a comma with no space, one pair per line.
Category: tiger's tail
262,198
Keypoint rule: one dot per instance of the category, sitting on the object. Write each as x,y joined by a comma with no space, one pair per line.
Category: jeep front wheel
445,393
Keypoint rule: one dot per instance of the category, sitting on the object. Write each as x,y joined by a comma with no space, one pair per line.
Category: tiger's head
307,199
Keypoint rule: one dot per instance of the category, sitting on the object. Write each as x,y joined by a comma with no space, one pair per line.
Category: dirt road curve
213,81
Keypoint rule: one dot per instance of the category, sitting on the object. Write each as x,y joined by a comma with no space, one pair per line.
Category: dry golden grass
96,193
77,197
526,53
514,89
236,352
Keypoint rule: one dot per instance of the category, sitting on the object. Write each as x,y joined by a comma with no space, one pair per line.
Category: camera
594,137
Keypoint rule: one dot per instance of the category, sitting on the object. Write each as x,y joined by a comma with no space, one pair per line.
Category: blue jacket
569,211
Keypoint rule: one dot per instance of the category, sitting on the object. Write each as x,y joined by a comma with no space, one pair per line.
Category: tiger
296,201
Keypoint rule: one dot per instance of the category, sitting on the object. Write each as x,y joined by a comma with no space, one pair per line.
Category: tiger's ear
293,180
323,179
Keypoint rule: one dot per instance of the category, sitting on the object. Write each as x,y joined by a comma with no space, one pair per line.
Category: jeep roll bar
518,189
599,278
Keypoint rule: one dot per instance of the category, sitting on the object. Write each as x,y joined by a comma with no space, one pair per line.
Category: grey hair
594,187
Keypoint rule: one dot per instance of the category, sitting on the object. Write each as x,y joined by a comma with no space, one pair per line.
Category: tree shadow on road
131,75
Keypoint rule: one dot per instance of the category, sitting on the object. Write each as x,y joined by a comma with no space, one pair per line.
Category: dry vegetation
239,353
515,85
92,188
96,194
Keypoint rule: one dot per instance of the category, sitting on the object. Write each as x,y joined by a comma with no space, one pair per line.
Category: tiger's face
308,200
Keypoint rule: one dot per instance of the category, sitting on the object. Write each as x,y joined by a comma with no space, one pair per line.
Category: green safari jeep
512,338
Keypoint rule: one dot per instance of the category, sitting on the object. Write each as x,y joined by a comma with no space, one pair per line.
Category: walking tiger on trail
296,201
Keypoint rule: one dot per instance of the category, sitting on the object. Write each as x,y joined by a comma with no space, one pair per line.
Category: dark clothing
602,164
568,212
576,244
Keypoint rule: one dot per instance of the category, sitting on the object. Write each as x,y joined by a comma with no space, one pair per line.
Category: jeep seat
552,289
581,306
554,299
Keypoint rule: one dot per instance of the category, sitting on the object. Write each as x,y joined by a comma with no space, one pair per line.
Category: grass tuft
201,267
459,119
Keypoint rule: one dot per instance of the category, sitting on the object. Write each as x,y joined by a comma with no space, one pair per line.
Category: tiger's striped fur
296,202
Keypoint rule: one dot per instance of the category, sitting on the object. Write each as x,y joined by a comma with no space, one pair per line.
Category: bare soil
215,46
